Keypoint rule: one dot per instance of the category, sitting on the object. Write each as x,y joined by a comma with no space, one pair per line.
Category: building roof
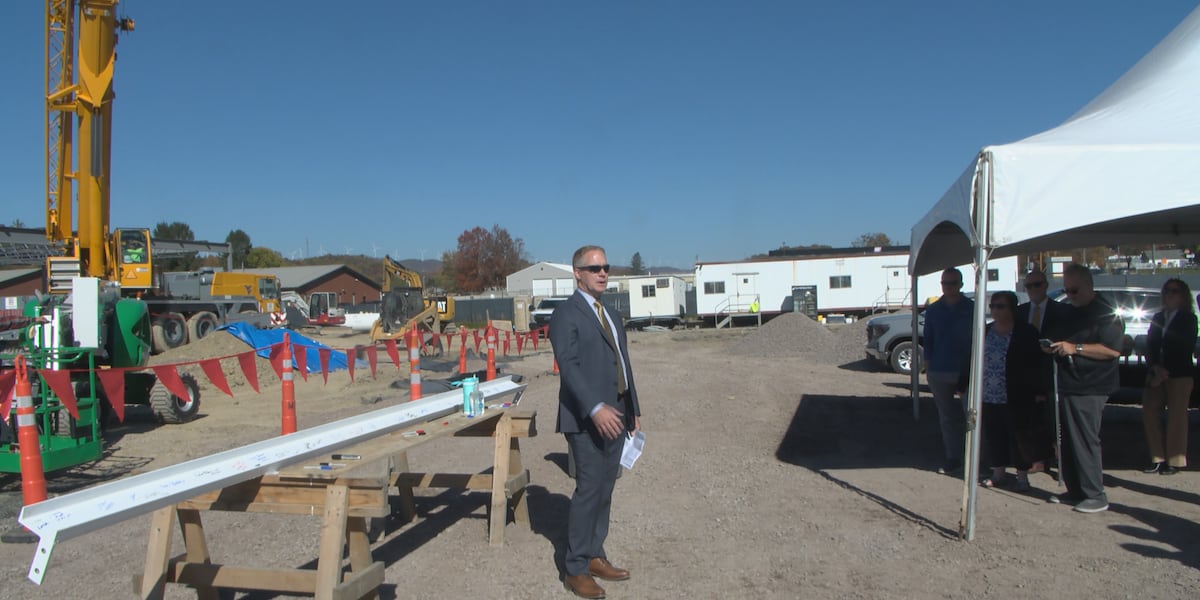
291,278
7,275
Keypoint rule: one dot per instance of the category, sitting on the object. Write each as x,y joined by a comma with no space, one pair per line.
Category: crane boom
81,39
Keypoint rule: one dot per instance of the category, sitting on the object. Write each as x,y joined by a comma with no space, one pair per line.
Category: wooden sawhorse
346,494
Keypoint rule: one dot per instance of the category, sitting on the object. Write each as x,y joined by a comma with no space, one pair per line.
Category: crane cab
131,255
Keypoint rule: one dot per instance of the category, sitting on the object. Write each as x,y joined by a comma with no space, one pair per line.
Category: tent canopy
1121,170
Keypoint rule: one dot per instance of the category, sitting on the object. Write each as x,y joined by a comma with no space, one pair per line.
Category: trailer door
745,290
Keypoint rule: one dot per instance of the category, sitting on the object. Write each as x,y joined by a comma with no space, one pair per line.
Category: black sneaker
1091,505
952,467
1168,470
1063,498
1154,468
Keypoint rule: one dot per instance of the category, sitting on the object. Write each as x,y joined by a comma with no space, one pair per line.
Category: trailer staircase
738,308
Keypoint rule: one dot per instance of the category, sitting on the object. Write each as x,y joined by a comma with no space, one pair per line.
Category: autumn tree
483,259
175,230
635,265
261,257
239,246
872,240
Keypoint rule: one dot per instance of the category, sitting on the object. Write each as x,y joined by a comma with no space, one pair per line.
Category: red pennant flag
392,352
463,335
323,353
536,333
437,340
372,358
351,354
300,358
60,384
507,341
476,332
520,343
449,342
276,358
113,382
249,369
212,368
170,378
8,386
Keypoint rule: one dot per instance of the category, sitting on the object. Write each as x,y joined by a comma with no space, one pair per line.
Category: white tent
1124,169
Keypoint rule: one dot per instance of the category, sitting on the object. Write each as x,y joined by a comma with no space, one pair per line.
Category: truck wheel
169,408
902,357
168,331
200,325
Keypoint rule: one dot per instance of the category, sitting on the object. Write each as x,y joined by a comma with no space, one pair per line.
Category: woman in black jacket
1014,382
1169,348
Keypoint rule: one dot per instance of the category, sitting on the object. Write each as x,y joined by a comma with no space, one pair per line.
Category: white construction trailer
656,300
846,281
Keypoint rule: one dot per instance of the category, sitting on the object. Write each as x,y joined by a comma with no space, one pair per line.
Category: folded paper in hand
633,449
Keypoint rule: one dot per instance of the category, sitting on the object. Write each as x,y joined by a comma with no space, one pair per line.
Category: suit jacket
587,366
1056,312
1172,346
1026,367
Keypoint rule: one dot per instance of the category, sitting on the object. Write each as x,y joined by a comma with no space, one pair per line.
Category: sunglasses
998,305
594,268
1036,284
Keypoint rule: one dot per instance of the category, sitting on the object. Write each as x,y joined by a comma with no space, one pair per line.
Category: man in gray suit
597,409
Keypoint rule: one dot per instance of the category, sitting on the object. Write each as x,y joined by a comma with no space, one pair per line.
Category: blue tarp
263,339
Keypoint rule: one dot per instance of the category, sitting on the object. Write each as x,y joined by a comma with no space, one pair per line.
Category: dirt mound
794,334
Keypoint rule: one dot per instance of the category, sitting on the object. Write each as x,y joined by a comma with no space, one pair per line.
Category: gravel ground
778,464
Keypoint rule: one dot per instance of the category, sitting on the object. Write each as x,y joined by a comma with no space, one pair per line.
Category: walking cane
1057,426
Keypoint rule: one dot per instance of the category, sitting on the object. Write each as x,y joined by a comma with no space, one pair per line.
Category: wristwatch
1078,348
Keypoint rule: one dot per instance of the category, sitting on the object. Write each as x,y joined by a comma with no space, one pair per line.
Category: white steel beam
77,513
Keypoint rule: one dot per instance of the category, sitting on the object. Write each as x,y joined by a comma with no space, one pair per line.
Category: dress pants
1081,465
597,462
952,416
1174,394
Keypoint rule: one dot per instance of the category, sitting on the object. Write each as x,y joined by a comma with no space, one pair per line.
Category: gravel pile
794,334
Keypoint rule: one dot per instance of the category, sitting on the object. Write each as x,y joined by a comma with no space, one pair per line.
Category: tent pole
914,370
983,214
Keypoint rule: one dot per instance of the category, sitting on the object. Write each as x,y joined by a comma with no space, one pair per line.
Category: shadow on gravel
1160,529
863,365
548,518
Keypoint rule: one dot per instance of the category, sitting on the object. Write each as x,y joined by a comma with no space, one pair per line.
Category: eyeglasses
594,268
998,305
1071,291
1036,284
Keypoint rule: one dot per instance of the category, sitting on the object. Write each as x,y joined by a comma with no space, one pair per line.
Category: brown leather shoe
583,586
600,567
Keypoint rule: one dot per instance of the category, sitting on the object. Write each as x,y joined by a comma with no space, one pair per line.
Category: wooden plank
523,425
519,476
362,584
464,481
294,581
359,543
197,548
152,583
499,517
332,541
408,509
367,498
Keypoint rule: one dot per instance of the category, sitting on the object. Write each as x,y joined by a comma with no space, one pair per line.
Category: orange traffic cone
414,363
289,388
555,368
462,358
491,353
33,478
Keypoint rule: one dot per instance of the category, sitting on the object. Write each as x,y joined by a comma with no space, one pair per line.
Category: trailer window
839,281
993,274
714,287
662,283
648,291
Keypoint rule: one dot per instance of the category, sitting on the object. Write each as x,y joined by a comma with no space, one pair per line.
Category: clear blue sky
683,130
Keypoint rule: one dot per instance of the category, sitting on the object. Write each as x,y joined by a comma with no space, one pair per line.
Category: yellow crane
79,98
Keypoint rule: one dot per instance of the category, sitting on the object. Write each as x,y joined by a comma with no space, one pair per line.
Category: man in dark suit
1044,314
597,409
1041,312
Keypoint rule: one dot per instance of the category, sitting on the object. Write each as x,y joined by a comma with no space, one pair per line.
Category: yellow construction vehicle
405,306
